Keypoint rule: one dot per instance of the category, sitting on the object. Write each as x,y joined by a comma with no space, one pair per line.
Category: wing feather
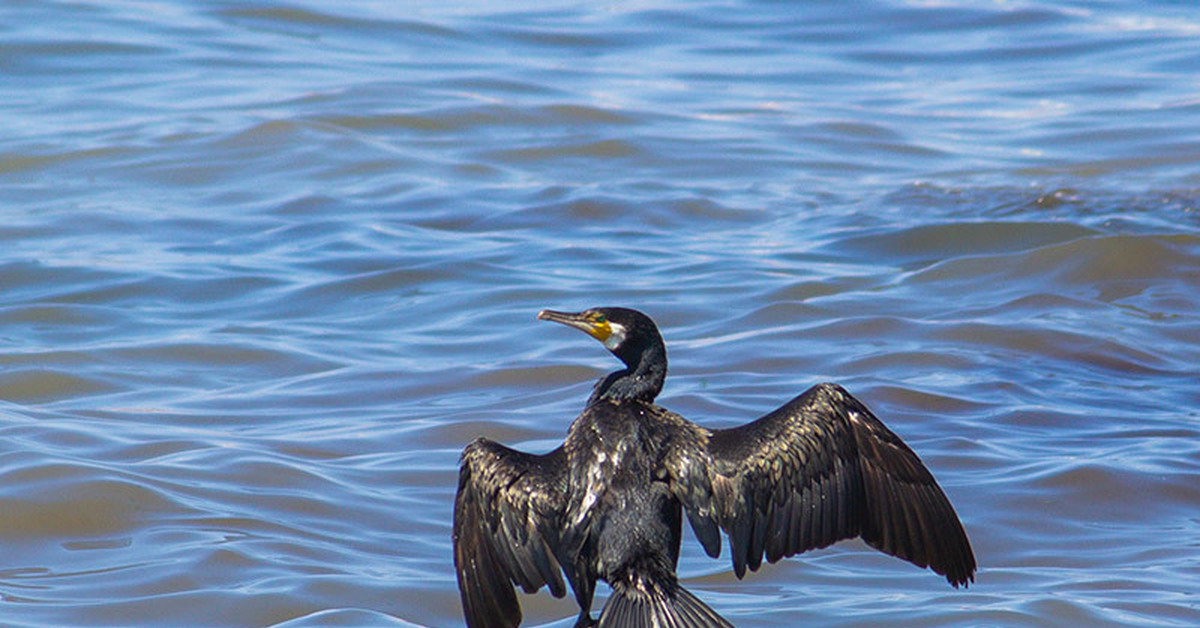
819,469
507,515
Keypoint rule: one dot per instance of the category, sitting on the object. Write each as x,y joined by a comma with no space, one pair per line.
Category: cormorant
606,504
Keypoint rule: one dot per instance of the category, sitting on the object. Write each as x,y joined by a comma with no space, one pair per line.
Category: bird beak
587,322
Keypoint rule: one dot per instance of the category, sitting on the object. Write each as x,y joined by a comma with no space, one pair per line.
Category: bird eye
599,318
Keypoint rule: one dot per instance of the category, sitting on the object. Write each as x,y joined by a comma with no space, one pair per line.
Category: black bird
606,504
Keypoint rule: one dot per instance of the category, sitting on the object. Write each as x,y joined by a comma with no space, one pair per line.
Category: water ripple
268,269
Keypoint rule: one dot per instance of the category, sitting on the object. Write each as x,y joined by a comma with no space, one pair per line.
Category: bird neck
642,379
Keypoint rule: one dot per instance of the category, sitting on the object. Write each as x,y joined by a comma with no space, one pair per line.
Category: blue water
267,268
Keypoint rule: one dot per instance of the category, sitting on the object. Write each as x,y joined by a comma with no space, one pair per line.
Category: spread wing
819,469
507,517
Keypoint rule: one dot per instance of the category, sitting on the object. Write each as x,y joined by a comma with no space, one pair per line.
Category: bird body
622,520
608,503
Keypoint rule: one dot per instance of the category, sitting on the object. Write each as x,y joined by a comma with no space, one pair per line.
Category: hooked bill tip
556,316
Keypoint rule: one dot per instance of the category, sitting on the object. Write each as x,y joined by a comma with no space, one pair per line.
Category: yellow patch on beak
591,322
600,330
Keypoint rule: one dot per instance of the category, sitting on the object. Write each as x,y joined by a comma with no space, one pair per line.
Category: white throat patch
616,336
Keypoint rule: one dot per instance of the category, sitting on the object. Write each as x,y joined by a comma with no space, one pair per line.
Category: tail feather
676,608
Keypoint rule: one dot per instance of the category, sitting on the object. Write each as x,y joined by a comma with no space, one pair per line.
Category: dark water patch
1103,208
1048,307
35,280
848,138
920,245
1109,493
1077,348
1118,266
56,315
433,123
48,385
802,291
579,212
1122,258
69,56
235,361
493,117
601,149
563,36
926,402
78,504
327,18
375,284
27,162
484,83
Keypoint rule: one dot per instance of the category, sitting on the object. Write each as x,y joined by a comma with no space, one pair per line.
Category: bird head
627,333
